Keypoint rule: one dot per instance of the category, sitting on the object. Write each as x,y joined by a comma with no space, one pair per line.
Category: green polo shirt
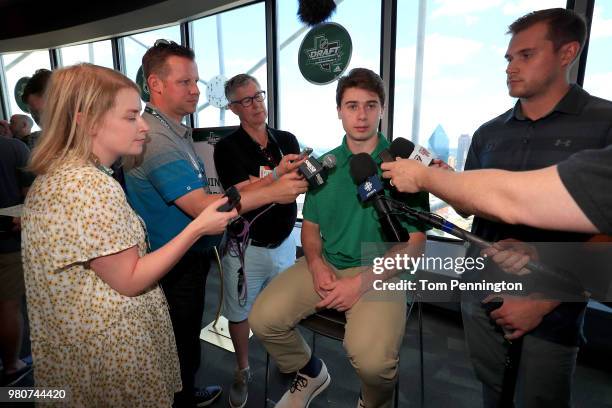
345,223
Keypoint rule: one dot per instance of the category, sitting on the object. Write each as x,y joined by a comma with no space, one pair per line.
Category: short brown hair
236,82
361,78
36,85
154,60
564,26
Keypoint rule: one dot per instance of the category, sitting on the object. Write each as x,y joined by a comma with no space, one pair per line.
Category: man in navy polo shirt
551,120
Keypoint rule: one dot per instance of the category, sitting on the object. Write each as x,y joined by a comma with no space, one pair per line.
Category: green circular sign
325,53
145,95
19,86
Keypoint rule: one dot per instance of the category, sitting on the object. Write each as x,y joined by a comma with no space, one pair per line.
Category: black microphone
364,173
313,12
565,281
405,149
315,172
233,199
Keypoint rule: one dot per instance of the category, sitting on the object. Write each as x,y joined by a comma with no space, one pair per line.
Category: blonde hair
85,89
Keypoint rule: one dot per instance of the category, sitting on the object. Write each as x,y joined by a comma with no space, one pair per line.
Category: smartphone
306,152
233,199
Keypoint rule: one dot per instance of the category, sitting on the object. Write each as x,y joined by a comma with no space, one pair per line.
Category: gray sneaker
304,389
239,392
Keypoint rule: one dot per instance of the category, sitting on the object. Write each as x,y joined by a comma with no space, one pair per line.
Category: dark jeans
184,290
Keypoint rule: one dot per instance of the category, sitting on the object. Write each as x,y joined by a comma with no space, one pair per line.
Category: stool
330,323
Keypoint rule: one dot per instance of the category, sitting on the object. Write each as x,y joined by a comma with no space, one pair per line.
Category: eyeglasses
165,43
248,101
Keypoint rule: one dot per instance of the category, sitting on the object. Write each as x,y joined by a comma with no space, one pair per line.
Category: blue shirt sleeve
174,179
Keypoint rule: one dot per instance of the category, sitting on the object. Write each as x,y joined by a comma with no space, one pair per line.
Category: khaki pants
373,333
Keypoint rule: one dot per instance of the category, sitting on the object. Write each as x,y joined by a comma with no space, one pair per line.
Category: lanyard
270,159
186,146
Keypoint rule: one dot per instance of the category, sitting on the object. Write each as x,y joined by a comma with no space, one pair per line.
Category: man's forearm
312,246
536,198
257,197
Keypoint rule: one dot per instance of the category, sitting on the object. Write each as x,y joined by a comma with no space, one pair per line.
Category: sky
463,83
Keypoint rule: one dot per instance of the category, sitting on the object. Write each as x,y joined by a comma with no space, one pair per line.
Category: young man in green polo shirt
330,276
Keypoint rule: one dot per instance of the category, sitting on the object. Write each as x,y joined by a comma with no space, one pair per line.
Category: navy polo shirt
513,142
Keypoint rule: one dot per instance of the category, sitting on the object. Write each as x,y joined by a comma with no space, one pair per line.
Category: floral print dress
109,350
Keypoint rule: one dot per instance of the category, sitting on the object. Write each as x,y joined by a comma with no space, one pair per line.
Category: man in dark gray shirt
551,120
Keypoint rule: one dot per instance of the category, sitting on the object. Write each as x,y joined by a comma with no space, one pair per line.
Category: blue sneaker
206,396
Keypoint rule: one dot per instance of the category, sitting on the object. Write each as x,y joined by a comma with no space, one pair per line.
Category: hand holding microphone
288,187
315,171
512,256
213,219
290,162
405,175
414,159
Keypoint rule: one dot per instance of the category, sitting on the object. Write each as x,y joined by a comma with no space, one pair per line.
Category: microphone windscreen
361,167
401,147
329,161
313,12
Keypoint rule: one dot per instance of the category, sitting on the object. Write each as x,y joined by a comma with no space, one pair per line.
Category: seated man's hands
322,276
342,293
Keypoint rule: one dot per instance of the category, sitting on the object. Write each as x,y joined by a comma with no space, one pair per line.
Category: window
227,44
308,110
17,66
598,76
463,78
136,45
99,53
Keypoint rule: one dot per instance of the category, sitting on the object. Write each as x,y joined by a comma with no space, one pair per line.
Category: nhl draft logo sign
325,53
141,81
19,87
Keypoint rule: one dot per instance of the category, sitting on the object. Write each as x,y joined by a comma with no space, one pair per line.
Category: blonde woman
99,322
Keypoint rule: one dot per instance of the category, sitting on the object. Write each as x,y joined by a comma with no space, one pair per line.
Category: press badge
264,171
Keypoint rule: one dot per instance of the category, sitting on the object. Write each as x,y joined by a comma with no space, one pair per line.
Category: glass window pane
136,45
308,110
598,76
463,78
227,44
99,53
19,65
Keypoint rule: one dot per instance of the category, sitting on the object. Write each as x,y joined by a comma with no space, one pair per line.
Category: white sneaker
360,403
304,389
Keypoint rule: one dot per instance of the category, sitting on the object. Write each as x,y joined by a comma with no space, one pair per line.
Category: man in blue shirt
167,187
